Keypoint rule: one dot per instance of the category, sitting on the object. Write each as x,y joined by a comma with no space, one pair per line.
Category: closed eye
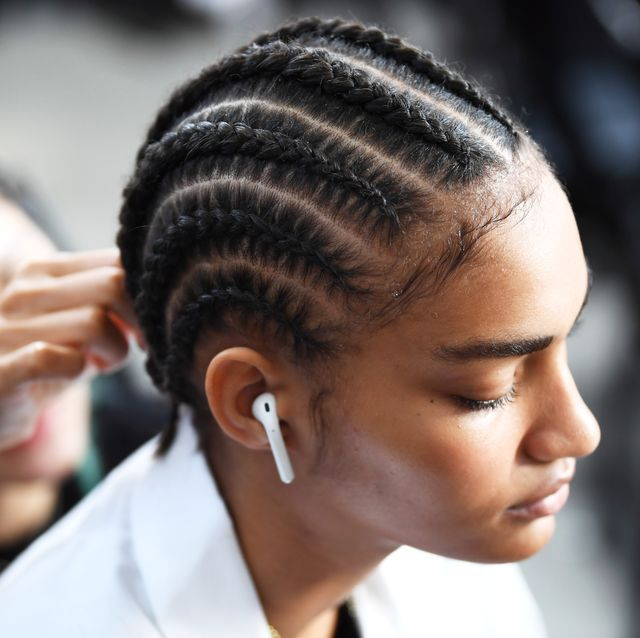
476,405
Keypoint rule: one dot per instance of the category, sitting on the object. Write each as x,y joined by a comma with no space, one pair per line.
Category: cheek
59,450
471,474
431,466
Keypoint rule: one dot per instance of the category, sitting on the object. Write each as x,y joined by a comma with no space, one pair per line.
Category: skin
402,459
62,318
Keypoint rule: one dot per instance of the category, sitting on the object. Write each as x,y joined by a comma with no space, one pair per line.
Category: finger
100,286
38,361
132,329
65,263
88,328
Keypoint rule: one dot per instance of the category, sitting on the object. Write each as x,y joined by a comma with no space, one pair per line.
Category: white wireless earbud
264,409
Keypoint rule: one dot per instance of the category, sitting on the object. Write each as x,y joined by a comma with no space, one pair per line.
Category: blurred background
80,82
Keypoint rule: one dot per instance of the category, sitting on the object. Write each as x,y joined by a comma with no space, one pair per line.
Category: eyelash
476,405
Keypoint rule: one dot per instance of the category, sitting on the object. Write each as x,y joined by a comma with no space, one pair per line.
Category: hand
62,318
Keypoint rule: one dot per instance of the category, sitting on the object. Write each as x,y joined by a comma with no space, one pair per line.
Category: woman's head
328,214
60,436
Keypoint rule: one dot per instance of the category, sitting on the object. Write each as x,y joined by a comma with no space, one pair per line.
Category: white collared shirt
152,553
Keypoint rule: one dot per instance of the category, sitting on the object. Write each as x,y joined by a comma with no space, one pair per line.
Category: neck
25,508
305,556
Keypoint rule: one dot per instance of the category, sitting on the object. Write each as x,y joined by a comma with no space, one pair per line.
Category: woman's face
59,441
58,445
457,426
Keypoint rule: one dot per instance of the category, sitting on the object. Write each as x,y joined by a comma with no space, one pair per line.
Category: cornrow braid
201,303
204,139
332,77
394,48
294,240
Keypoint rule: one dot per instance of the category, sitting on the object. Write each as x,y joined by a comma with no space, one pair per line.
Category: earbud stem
264,410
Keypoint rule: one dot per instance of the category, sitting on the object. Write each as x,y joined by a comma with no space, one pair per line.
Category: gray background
77,92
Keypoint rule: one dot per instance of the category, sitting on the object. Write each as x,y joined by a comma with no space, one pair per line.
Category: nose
562,425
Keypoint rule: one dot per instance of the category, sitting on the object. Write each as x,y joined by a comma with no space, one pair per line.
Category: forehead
528,278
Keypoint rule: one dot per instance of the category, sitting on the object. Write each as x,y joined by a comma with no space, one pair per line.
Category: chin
522,541
58,446
519,541
52,458
42,464
53,470
508,542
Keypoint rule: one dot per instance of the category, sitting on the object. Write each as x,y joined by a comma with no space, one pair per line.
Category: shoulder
82,562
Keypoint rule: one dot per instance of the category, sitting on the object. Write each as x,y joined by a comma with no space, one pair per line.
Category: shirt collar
187,551
192,566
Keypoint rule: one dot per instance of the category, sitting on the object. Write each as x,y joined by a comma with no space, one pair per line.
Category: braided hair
277,194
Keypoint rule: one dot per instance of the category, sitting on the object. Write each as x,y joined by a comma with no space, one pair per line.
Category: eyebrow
504,349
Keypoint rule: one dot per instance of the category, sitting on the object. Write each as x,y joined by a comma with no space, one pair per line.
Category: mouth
40,430
549,500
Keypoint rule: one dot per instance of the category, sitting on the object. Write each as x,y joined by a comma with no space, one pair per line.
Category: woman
58,312
331,217
44,410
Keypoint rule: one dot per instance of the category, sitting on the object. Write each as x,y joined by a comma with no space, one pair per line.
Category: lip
41,428
548,501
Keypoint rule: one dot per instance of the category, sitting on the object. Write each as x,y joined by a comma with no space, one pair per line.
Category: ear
234,378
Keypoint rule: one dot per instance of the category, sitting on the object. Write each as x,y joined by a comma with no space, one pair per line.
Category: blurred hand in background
64,317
